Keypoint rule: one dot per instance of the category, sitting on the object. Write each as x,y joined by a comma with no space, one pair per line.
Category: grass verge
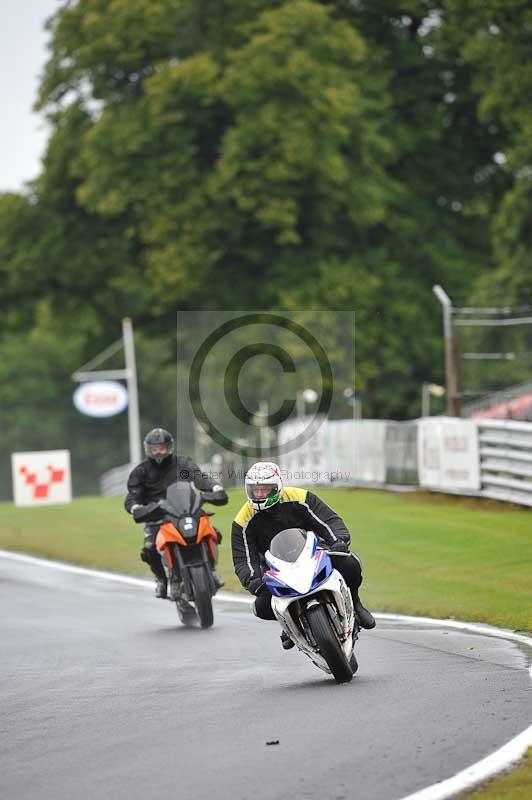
421,553
514,785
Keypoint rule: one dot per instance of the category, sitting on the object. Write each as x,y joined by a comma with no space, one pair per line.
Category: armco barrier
505,450
448,459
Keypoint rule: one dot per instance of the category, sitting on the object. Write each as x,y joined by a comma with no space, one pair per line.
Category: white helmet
263,484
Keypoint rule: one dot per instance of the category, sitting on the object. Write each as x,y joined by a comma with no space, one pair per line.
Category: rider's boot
218,581
151,557
365,618
286,641
161,581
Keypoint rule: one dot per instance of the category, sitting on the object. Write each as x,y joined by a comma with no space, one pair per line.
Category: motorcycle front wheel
202,596
186,613
328,644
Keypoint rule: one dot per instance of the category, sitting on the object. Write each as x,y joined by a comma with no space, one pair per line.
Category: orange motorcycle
188,545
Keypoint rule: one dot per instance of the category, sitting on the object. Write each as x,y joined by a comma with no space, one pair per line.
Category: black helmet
158,445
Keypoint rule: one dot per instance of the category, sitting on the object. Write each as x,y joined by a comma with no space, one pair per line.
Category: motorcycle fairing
309,580
207,531
168,533
295,578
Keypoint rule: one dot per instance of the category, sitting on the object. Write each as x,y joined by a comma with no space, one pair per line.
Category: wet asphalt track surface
103,694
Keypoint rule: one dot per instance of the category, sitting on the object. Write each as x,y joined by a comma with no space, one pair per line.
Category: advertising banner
101,398
448,456
41,478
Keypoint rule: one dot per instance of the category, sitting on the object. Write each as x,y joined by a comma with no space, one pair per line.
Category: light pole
243,444
452,372
131,378
264,430
302,397
352,399
426,390
260,420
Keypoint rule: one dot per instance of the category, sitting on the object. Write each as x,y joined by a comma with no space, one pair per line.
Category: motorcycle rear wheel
202,596
328,644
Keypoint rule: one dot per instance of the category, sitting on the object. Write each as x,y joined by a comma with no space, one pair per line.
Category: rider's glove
217,496
255,585
141,512
339,547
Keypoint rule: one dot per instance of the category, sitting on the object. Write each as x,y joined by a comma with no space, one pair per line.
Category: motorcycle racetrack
105,695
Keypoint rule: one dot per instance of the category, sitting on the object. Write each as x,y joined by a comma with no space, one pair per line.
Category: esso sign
100,398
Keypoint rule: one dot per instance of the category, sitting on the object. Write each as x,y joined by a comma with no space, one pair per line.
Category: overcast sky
22,57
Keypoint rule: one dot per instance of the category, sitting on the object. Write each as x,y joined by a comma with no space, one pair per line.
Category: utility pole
264,430
452,361
304,396
354,401
133,406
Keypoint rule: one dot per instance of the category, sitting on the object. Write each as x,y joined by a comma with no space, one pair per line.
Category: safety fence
351,452
483,458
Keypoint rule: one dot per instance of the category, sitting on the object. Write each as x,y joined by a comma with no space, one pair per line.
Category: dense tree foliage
211,154
495,40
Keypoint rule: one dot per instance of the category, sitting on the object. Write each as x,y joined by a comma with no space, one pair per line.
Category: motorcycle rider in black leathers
271,508
147,484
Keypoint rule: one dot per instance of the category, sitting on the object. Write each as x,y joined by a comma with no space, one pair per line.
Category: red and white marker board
41,478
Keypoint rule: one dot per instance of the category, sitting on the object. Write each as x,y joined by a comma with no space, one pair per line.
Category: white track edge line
475,775
470,777
62,566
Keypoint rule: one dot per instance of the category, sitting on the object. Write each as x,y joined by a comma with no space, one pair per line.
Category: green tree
268,154
495,38
264,162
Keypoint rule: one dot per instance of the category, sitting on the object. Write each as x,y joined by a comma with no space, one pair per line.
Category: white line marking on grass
470,777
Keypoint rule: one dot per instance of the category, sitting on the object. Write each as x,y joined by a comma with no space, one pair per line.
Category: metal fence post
452,369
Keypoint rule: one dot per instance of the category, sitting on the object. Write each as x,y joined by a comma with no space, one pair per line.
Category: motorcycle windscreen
182,498
288,544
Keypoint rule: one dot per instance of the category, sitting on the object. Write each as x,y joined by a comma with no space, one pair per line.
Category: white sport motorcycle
312,602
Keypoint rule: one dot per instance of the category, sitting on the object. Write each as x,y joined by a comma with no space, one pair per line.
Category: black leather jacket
149,481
